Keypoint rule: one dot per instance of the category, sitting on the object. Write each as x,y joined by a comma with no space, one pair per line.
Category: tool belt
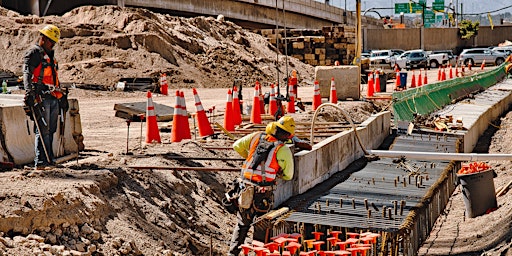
260,198
48,90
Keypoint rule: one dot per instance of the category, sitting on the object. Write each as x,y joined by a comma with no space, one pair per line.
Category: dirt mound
100,45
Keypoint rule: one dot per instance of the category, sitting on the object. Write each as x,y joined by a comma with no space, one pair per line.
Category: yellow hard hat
52,32
286,123
271,128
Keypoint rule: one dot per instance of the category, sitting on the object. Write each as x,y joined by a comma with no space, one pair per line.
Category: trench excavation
397,199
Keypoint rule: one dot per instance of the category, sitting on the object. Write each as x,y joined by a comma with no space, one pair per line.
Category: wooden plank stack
316,47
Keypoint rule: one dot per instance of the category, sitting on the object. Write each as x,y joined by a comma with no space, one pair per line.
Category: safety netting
428,98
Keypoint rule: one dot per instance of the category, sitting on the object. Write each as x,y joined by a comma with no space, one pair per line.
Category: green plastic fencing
428,98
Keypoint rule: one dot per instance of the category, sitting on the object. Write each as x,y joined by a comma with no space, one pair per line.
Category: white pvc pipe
440,156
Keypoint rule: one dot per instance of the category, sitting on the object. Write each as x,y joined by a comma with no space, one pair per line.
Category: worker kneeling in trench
267,159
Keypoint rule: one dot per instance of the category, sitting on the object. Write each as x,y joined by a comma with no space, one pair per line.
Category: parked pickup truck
438,58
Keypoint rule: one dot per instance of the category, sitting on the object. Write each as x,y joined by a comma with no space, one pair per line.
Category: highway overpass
295,14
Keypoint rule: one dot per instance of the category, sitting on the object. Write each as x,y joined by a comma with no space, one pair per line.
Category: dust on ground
98,205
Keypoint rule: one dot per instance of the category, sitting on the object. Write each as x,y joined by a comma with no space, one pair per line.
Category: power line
497,10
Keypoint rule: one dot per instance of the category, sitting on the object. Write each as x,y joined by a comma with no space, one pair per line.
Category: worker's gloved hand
303,145
30,98
63,102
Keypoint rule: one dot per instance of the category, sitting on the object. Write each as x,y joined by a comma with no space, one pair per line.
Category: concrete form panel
331,156
18,131
347,79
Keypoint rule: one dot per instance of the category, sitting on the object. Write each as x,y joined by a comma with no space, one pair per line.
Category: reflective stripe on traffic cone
176,120
317,98
370,91
152,132
272,107
377,81
184,117
163,84
228,115
334,97
237,112
291,101
256,111
203,125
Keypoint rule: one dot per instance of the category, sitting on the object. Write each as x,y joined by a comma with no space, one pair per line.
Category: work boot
44,166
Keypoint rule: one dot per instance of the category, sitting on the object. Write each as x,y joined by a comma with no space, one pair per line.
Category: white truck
437,58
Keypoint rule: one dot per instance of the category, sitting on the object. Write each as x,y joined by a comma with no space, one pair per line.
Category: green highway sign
430,18
410,7
438,5
402,7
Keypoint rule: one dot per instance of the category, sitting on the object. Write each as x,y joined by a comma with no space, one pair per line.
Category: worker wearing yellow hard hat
44,98
267,160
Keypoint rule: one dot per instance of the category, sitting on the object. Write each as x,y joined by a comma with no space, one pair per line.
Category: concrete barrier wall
432,38
332,155
17,131
347,79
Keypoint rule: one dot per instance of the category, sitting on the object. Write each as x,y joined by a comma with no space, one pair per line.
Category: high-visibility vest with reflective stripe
271,166
43,74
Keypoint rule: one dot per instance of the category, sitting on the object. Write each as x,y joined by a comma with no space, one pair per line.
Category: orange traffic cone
370,91
397,81
176,120
439,74
272,107
396,68
163,84
420,79
293,82
334,97
377,81
262,103
413,80
237,112
450,72
228,115
291,101
457,74
443,75
317,98
425,80
184,115
483,65
462,68
469,66
203,125
256,111
152,131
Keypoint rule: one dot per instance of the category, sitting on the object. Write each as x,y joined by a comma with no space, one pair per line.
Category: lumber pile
316,47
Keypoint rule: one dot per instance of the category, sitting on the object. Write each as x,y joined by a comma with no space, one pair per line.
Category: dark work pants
244,220
48,128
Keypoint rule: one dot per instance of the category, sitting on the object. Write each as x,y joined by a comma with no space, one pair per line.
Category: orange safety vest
270,166
44,74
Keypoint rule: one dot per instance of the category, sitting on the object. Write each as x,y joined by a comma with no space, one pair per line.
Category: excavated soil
98,205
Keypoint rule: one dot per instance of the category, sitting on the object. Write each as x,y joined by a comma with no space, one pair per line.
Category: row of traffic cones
233,113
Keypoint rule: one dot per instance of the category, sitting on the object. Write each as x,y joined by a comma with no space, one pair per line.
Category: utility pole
359,40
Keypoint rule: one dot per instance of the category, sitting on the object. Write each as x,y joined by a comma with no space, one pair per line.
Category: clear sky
468,6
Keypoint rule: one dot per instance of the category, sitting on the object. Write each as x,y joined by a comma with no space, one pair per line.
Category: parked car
380,56
504,49
411,59
478,55
442,57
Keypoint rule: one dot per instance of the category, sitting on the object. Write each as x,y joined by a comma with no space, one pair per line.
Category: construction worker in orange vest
267,158
43,95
